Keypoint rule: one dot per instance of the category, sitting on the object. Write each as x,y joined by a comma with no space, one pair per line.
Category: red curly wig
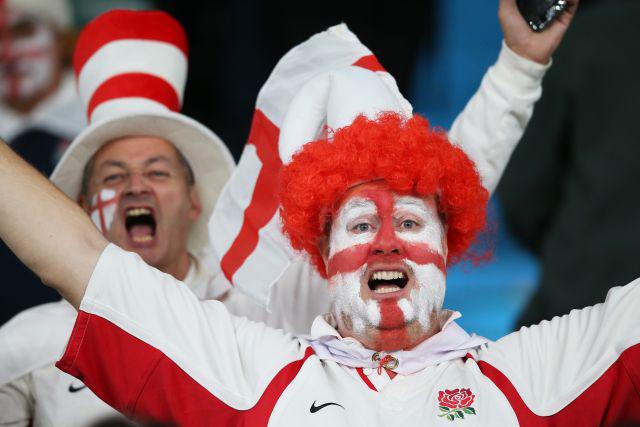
407,154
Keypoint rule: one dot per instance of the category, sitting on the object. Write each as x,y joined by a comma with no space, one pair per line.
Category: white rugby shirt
33,392
194,364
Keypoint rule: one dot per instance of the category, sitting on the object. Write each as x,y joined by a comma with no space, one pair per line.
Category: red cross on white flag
245,226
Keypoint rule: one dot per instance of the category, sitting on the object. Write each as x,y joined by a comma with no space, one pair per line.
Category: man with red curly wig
380,202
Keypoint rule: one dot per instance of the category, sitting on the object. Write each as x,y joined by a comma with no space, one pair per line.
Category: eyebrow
156,159
123,165
359,203
406,202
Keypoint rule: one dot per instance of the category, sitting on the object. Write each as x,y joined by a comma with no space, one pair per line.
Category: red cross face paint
103,209
386,263
27,55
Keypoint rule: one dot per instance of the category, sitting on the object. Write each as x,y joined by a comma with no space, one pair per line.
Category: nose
387,243
137,185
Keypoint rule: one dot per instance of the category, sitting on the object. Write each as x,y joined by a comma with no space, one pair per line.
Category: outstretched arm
50,233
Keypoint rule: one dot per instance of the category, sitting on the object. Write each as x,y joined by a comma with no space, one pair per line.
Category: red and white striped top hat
131,68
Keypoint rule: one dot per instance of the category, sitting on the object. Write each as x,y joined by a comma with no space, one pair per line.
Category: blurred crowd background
438,52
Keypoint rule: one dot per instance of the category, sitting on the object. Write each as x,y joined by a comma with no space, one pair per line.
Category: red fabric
366,380
264,201
140,381
613,400
370,62
127,24
139,85
407,154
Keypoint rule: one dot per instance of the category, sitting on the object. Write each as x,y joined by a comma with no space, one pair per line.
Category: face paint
376,230
103,209
27,62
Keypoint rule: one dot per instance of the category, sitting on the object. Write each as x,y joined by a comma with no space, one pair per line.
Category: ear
196,206
445,246
323,248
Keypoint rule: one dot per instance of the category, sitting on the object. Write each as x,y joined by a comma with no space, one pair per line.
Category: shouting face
386,266
139,195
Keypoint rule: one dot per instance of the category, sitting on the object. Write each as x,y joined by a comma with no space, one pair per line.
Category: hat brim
207,155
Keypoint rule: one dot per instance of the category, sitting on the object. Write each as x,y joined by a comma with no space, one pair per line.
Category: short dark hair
88,170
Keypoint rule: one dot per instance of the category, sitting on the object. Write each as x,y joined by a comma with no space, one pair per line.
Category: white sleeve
495,118
130,308
16,403
554,362
295,300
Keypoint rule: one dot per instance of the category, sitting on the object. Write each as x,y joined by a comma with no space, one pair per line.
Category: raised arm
495,118
48,231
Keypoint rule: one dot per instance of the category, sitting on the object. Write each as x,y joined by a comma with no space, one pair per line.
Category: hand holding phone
540,13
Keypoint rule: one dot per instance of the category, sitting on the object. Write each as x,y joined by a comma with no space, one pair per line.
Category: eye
112,178
408,224
158,174
362,227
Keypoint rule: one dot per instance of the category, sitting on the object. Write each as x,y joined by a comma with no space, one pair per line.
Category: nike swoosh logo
73,389
315,408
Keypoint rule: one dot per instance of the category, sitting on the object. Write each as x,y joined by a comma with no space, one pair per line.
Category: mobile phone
540,13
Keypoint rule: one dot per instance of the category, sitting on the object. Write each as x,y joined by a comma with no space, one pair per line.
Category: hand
524,41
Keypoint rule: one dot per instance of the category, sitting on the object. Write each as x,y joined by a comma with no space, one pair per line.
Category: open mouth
140,224
387,281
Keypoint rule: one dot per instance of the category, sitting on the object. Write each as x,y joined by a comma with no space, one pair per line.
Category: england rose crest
456,403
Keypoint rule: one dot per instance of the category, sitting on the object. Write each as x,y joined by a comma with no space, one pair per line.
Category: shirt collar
451,342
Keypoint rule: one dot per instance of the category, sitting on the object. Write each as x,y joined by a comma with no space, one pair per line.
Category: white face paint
416,224
103,209
27,62
428,297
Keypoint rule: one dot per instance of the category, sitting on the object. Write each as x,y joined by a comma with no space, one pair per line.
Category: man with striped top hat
381,203
147,176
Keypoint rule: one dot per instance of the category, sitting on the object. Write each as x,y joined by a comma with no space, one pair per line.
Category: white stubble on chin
345,290
428,296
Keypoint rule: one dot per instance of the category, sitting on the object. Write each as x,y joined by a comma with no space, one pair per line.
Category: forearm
494,120
48,231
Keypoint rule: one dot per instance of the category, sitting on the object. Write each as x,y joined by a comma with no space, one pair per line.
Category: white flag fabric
245,226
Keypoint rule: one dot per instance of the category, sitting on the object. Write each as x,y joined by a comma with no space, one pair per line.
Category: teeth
388,275
138,212
140,239
386,289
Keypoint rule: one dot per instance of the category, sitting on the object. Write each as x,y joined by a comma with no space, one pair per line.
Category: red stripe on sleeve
135,85
369,62
141,382
366,380
127,24
264,201
612,400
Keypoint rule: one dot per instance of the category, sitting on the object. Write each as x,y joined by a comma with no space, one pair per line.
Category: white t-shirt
193,363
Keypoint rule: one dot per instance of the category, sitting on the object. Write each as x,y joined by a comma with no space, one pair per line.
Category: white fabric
60,113
32,390
452,342
234,359
334,99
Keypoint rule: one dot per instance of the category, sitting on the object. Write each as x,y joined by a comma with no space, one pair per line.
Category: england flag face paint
386,266
103,209
27,55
